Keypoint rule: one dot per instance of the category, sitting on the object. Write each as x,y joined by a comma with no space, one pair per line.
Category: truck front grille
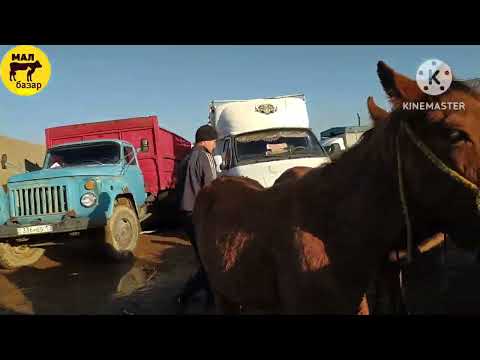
43,200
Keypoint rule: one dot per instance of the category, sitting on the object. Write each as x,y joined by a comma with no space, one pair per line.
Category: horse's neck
354,203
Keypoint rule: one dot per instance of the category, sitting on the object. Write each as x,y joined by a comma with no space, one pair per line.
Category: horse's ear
397,86
377,114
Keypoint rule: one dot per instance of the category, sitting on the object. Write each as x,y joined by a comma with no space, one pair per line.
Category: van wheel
12,257
122,232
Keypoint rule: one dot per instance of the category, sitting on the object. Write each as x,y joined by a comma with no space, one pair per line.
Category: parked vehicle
338,139
160,151
97,177
262,138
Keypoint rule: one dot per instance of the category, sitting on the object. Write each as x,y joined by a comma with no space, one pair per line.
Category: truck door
133,175
147,159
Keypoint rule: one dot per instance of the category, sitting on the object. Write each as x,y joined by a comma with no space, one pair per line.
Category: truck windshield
273,144
78,155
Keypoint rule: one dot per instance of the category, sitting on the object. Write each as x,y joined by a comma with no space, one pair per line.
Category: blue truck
96,186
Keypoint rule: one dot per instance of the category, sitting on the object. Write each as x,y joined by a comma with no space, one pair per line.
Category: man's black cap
205,133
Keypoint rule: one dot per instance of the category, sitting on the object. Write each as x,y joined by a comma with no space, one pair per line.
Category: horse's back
292,174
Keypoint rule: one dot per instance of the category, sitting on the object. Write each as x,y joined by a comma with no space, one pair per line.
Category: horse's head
449,128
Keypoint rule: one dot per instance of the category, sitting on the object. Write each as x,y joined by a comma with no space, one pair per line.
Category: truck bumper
67,225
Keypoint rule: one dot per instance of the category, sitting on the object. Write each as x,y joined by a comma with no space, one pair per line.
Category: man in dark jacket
196,171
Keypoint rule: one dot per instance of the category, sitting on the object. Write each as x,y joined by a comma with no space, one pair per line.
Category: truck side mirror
219,162
4,161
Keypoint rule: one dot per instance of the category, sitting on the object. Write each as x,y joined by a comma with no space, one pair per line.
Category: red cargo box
165,150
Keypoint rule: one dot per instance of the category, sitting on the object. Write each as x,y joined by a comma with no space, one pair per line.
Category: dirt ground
70,280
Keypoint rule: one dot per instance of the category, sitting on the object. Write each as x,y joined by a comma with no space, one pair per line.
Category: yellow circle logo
25,70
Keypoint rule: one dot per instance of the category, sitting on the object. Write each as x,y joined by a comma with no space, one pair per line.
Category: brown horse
290,175
386,287
388,276
293,174
311,245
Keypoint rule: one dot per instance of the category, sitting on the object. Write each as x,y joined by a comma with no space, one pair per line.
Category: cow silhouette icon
31,67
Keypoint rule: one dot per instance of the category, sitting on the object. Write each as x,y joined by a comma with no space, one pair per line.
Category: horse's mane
366,135
469,86
466,85
371,156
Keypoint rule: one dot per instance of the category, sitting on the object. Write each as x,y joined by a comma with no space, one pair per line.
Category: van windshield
267,145
79,155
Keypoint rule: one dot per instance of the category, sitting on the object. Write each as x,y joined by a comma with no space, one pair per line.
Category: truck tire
122,232
12,257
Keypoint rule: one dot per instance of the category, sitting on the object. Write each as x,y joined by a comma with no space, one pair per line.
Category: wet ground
70,279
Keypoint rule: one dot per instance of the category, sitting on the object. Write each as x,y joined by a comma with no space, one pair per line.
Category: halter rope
403,202
441,166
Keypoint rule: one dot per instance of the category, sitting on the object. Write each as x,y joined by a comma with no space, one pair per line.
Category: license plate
39,229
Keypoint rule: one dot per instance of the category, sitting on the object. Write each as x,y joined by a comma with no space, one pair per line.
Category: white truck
338,139
262,138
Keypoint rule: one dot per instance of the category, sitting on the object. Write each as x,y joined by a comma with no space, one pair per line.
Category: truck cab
91,185
262,138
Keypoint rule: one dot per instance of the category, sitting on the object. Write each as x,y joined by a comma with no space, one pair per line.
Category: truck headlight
88,200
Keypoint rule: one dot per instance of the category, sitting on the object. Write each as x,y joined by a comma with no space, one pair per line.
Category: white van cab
262,138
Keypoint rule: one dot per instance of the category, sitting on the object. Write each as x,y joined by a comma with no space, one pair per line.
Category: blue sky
176,83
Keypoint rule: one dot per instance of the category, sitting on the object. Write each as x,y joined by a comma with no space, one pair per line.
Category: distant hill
17,151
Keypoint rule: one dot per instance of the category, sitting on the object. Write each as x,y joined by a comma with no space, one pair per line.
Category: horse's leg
224,306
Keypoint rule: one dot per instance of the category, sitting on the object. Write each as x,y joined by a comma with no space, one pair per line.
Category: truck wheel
12,257
122,232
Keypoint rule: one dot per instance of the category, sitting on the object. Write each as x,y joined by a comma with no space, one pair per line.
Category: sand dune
17,151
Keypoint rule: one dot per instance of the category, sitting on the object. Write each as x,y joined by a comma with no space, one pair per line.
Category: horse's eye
456,136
